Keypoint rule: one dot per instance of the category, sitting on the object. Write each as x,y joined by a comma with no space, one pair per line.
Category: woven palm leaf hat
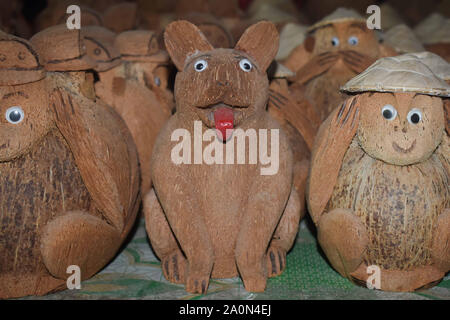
436,63
19,61
339,15
403,39
62,49
140,46
404,73
434,29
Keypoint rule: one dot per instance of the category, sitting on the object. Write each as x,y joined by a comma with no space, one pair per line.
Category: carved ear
260,41
183,39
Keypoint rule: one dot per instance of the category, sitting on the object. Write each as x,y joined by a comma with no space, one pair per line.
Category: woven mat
136,274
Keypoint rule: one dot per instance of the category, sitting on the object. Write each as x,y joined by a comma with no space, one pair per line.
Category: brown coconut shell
62,49
221,236
100,47
19,61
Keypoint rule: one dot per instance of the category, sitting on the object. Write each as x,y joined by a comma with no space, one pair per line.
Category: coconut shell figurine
210,219
379,182
141,103
69,178
337,48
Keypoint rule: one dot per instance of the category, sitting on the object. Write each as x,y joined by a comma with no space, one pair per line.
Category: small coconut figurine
69,178
379,182
220,218
132,90
336,49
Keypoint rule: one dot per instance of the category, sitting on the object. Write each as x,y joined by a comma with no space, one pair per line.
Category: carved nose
404,130
225,83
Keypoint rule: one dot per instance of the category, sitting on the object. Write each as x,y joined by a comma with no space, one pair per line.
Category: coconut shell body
399,207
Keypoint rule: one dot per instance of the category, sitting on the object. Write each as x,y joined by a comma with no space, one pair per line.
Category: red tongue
223,119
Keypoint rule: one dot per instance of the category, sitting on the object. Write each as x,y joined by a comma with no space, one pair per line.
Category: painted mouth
402,150
223,117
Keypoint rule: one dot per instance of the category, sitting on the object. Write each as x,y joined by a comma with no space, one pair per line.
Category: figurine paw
255,283
344,240
174,267
196,283
276,261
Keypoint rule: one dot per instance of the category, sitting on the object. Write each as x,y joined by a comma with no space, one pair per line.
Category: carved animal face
400,128
221,83
24,118
346,36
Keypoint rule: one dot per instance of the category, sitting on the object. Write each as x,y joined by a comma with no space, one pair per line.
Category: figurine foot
255,283
343,238
197,283
440,249
276,261
174,267
78,238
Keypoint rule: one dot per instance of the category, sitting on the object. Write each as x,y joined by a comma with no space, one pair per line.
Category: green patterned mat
136,274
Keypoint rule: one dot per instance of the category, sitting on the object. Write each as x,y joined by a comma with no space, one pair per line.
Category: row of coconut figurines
73,140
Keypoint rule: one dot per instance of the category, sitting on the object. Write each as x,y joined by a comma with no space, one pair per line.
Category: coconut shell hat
100,47
19,61
62,49
338,16
405,73
140,46
403,39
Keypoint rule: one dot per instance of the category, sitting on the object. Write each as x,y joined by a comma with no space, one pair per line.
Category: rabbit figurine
215,220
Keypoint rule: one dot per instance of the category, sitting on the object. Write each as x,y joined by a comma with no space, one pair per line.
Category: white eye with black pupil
353,41
414,116
200,65
389,112
14,115
245,65
335,41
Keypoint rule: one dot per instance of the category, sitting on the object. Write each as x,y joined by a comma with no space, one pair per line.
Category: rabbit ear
260,41
183,39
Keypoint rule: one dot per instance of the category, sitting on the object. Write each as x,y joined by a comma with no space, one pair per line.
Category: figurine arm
179,200
332,142
104,153
267,199
314,67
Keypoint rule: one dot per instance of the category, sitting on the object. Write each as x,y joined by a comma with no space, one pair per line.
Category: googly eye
389,112
414,116
200,65
14,115
353,41
157,81
245,65
335,41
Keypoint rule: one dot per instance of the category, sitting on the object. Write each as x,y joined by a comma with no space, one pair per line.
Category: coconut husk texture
378,189
69,186
220,220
